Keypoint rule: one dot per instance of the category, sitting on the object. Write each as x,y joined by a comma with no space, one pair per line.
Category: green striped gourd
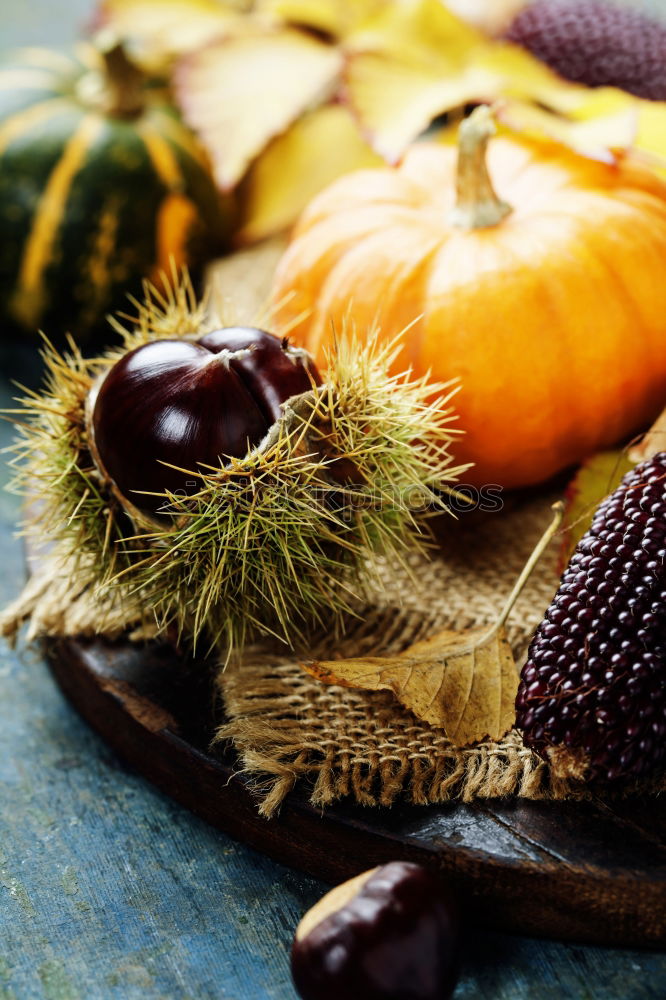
101,186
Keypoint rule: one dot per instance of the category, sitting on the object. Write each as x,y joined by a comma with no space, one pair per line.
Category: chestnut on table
391,933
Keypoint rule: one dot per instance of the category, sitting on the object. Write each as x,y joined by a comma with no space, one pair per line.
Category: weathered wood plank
572,870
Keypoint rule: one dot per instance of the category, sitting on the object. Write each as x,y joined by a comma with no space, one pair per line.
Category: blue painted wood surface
110,891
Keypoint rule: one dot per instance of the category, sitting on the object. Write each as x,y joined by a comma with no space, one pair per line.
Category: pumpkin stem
477,206
124,81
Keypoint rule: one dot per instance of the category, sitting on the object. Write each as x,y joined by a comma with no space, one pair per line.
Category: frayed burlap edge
62,598
334,743
373,770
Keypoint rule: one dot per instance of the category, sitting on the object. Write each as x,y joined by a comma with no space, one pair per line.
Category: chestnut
170,408
391,933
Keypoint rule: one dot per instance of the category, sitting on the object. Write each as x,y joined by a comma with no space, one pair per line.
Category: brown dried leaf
464,683
240,93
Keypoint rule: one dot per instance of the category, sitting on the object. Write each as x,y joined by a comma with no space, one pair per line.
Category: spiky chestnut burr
592,696
275,539
172,406
596,43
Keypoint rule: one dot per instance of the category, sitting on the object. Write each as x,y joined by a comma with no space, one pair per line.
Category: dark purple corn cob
592,695
595,43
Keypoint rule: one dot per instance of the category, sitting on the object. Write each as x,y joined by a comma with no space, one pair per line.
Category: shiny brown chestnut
391,933
172,407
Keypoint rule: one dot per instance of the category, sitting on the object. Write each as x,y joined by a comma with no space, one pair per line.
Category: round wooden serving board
587,871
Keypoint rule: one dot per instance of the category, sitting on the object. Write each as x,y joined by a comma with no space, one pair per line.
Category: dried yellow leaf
395,101
651,137
335,17
420,31
159,30
319,147
242,92
600,138
404,72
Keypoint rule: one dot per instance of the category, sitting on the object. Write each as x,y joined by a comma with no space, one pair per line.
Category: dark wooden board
586,871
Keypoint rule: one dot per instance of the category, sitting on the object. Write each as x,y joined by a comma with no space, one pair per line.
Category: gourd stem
124,82
477,205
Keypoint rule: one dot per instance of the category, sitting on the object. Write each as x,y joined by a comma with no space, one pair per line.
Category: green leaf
595,479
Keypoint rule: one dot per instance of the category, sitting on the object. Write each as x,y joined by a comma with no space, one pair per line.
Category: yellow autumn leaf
598,138
464,683
421,31
417,60
594,121
319,147
394,101
242,92
334,17
590,118
649,120
490,16
651,135
516,73
159,30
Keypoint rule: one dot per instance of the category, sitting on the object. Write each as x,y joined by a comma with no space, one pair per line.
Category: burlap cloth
337,742
334,742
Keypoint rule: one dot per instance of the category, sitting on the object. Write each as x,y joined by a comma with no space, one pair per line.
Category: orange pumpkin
551,312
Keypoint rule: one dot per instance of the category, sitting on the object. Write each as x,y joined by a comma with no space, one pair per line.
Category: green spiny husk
275,543
52,465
